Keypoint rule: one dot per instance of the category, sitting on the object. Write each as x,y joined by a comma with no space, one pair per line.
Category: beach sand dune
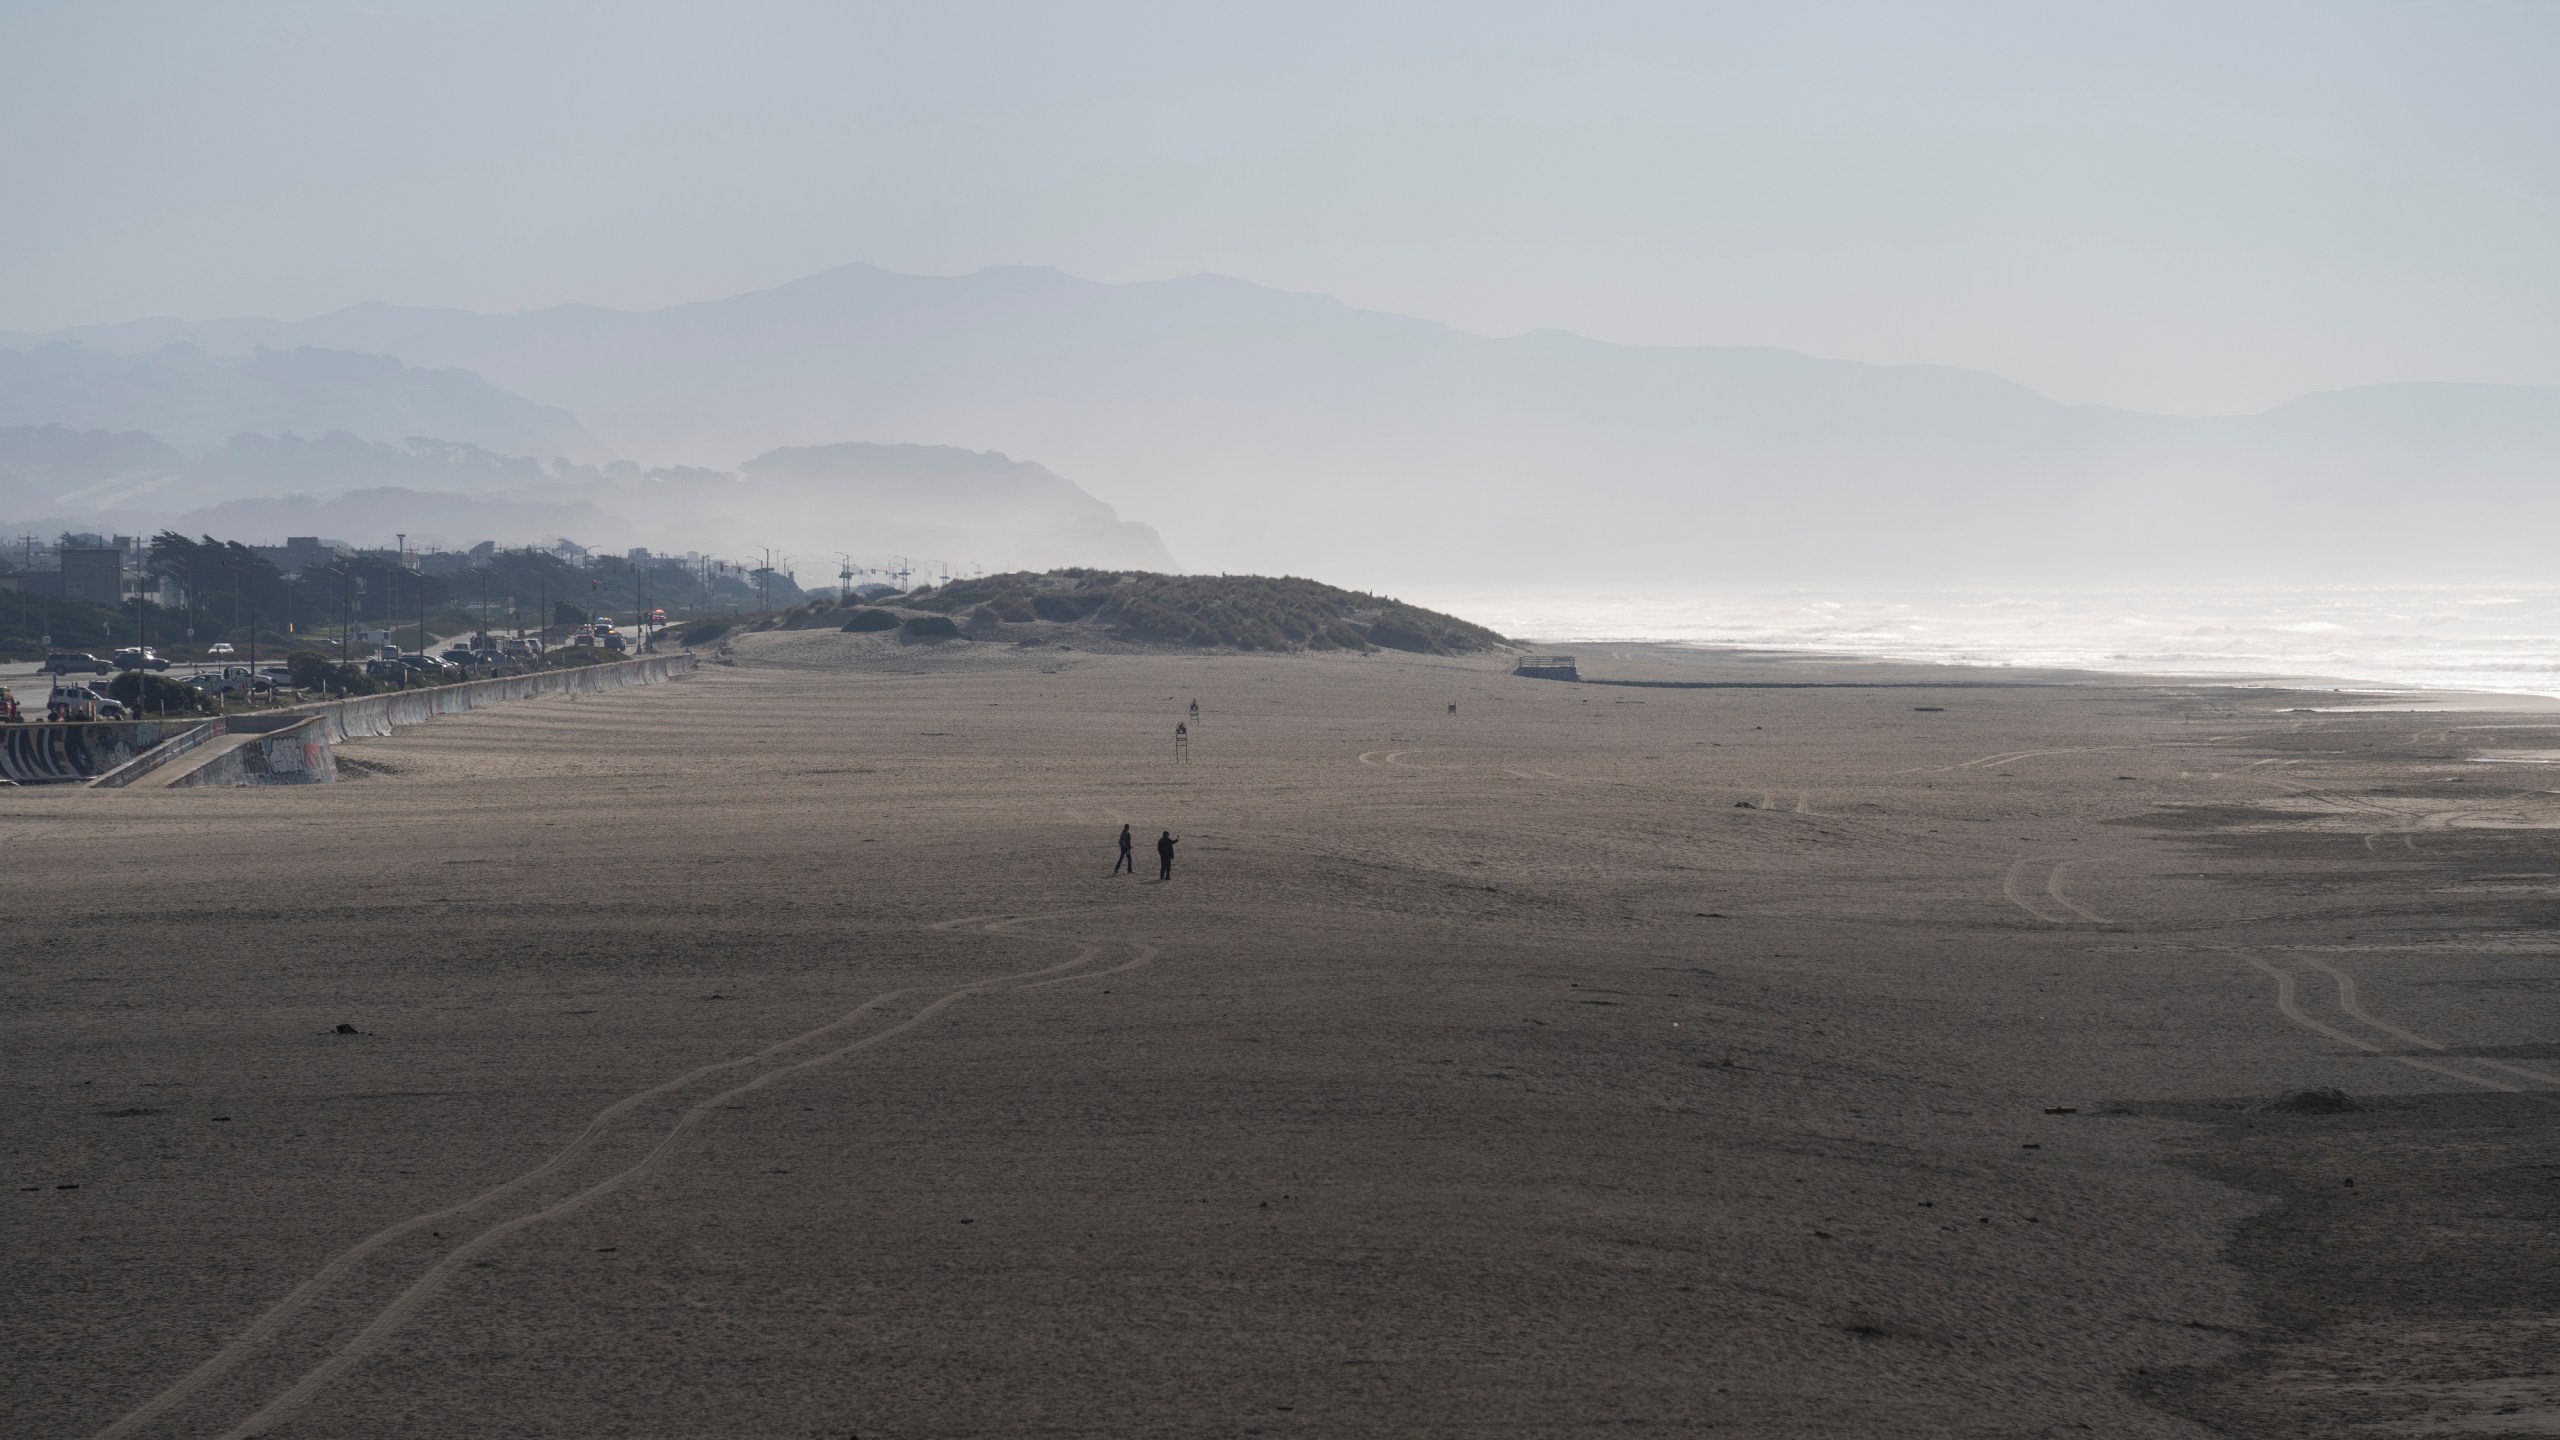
771,1054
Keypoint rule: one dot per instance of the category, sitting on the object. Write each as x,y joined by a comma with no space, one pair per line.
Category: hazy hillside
928,504
443,519
134,481
1273,431
45,469
933,501
190,398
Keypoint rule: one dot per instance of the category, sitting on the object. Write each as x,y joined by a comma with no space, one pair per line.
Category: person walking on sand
1164,855
1127,861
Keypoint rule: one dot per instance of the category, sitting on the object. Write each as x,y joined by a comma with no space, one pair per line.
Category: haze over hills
876,501
193,398
1290,433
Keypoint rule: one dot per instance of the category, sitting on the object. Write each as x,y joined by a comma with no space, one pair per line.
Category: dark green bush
145,693
314,671
865,622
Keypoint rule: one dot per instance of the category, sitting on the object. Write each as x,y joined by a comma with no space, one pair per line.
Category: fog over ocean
2488,637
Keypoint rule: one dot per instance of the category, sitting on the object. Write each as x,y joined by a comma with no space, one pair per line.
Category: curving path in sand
390,1316
2289,1002
2014,883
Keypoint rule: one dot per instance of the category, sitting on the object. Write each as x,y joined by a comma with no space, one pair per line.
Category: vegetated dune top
1236,612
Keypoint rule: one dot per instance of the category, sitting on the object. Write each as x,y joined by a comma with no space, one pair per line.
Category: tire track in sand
2289,1002
2352,1003
418,1292
2079,913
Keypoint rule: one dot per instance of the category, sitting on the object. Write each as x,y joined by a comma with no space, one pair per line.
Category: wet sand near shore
770,1054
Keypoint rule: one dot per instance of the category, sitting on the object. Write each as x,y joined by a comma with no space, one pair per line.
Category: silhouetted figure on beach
1164,855
1127,861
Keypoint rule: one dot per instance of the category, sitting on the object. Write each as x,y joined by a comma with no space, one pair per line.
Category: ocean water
2500,638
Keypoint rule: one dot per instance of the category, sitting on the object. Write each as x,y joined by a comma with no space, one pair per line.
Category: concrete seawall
187,741
112,754
63,752
299,746
299,754
375,715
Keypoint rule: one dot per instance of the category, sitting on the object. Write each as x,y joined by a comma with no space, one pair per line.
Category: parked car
582,639
220,647
230,680
613,640
81,703
461,655
66,661
429,666
140,657
70,705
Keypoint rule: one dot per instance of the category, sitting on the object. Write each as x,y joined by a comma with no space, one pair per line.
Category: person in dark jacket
1164,855
1127,861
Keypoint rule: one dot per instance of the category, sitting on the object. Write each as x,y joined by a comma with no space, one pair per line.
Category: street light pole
141,642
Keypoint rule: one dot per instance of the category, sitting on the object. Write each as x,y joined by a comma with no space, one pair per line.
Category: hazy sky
2196,208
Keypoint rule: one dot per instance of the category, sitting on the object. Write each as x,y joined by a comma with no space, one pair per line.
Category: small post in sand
1181,742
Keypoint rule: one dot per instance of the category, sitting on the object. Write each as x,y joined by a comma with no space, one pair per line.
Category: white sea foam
2481,638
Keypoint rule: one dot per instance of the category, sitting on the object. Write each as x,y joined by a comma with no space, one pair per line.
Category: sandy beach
771,1054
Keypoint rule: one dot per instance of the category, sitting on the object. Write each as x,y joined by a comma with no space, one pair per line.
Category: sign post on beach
1181,742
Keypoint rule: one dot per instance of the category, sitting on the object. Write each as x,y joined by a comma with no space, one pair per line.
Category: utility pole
141,640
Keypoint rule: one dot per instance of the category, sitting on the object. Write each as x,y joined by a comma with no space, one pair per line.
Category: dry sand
769,1054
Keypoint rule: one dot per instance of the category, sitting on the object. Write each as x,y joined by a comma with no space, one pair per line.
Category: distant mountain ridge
922,502
1273,431
188,397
